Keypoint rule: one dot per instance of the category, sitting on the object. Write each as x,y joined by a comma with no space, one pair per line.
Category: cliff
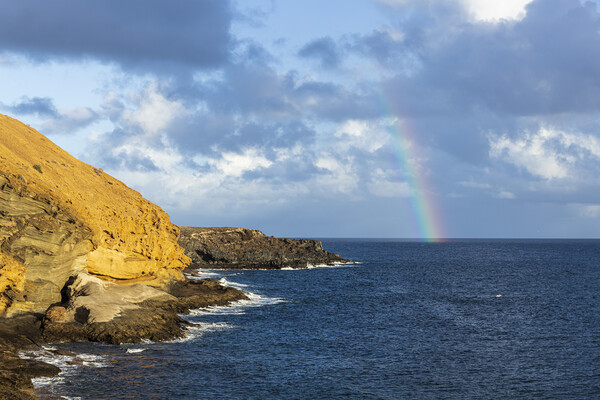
60,217
250,249
82,257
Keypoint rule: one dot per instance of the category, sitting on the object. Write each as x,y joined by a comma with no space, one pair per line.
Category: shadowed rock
240,248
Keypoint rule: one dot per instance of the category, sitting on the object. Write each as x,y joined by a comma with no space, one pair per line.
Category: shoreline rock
105,312
17,334
242,248
83,257
154,317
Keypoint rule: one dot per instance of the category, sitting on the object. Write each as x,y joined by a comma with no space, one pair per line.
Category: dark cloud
324,50
382,46
133,33
458,81
210,133
43,106
547,63
254,88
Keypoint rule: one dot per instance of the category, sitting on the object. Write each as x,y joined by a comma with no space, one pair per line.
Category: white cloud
548,153
479,10
340,176
154,112
236,164
365,135
70,120
165,158
494,11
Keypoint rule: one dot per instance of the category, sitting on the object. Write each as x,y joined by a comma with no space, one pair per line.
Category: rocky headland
85,258
82,257
241,248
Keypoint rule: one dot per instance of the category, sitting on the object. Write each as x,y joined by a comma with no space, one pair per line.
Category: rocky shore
241,248
95,311
83,257
17,334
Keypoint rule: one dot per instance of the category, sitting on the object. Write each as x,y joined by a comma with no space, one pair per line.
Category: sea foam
68,364
196,330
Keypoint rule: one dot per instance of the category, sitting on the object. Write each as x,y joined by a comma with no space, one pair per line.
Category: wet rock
20,333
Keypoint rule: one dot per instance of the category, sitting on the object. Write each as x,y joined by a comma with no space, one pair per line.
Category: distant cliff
250,249
60,216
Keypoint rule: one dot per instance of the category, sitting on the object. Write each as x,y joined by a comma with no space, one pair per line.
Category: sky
337,118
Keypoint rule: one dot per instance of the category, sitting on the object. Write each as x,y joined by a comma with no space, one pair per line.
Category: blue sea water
464,319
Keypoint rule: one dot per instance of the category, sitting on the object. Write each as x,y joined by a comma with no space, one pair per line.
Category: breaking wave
68,363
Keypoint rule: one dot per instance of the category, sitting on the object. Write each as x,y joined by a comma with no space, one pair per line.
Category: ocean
462,319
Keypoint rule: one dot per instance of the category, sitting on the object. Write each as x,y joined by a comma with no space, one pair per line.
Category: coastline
18,334
154,320
70,360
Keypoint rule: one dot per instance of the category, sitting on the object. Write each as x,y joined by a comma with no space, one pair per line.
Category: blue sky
361,118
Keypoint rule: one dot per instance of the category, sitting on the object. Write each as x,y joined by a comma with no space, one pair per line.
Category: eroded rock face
250,249
60,216
98,310
42,246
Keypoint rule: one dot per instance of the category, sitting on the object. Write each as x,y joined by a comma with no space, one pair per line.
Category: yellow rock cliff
60,216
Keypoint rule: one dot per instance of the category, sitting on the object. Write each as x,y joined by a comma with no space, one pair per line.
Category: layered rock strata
82,257
240,248
60,217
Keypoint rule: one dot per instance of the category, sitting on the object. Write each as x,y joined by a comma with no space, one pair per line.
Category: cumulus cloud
236,164
365,135
233,131
153,112
542,64
548,153
495,11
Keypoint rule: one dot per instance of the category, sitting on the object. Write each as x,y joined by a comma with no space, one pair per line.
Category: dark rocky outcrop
240,248
17,334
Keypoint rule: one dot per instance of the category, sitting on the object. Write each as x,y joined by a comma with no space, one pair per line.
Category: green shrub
38,168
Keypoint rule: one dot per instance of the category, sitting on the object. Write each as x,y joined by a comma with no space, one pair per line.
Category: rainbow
428,221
